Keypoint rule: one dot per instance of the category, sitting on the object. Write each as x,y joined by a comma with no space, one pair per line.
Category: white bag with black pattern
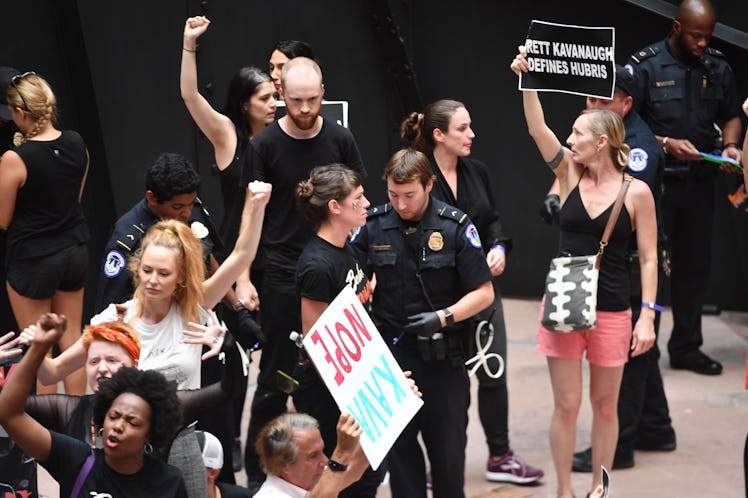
571,294
571,284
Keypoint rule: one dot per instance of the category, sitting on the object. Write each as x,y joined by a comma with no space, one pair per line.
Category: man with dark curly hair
171,184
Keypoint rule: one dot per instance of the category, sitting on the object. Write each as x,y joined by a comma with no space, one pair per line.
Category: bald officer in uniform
683,88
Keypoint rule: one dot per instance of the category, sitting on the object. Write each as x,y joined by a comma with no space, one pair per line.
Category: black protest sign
570,59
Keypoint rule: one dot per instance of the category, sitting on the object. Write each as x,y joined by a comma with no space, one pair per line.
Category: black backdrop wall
115,69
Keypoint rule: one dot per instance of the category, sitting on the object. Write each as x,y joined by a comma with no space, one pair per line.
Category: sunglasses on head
14,82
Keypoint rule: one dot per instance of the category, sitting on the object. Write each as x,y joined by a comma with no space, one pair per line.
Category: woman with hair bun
332,200
443,132
590,175
41,184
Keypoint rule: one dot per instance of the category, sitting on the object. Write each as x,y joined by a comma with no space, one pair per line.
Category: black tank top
47,216
580,236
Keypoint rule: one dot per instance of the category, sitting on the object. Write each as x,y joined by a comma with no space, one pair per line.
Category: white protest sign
361,374
570,59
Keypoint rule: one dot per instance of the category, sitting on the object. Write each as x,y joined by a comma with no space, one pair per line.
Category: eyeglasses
14,82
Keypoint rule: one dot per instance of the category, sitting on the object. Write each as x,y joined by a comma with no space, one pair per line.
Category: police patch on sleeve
638,160
471,234
114,263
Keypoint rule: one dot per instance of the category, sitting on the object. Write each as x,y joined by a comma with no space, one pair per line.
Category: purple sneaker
511,468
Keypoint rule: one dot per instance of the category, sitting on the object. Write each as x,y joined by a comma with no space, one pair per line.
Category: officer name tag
382,248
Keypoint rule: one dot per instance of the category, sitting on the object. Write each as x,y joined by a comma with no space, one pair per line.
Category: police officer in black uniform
643,413
431,277
683,88
171,193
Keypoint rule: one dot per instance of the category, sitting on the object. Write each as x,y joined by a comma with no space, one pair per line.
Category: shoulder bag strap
627,179
83,474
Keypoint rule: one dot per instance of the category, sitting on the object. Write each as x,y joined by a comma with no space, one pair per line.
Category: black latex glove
248,330
423,324
550,208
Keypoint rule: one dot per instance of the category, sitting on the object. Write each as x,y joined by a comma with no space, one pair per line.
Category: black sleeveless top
47,216
580,236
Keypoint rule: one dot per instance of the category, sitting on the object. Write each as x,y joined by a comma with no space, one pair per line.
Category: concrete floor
710,416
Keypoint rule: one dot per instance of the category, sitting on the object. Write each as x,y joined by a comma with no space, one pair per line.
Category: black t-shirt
474,198
283,161
66,459
325,269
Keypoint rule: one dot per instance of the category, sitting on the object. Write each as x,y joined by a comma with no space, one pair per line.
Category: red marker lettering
317,339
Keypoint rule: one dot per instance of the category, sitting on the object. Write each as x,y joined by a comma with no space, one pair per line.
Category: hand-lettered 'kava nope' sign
361,374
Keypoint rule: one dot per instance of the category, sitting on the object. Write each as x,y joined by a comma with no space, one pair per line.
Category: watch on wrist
239,305
336,466
449,317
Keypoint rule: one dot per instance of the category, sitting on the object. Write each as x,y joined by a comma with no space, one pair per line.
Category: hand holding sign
361,374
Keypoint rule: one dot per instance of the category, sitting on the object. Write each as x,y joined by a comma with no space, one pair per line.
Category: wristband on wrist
653,306
664,143
500,247
336,466
731,144
189,49
239,305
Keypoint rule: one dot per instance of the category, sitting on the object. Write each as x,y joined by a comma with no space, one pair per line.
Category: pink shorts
607,345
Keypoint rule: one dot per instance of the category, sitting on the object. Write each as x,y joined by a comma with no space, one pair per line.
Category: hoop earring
100,433
148,449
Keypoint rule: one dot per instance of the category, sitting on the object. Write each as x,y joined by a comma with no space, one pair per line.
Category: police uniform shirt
448,257
116,283
679,100
647,159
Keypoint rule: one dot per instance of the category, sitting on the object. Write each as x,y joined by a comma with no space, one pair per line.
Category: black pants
493,397
313,398
219,420
687,212
643,412
281,314
442,423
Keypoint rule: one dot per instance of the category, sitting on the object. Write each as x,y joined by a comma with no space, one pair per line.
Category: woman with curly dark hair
136,410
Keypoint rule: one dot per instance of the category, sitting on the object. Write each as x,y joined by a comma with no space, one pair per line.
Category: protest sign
570,59
361,374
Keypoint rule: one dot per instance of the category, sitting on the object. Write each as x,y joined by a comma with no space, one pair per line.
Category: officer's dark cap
624,80
6,74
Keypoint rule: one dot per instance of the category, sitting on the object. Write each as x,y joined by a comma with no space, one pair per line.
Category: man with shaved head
283,154
683,89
